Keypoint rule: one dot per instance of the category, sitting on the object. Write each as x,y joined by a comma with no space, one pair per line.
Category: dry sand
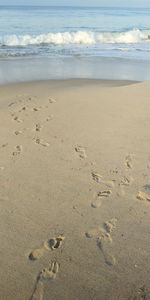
75,185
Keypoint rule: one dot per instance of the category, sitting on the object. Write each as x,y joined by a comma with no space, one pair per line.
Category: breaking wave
79,37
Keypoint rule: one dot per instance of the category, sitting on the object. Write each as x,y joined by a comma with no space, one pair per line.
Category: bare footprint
128,161
143,196
51,244
18,151
97,202
17,119
104,245
81,151
98,178
52,100
126,181
41,142
46,274
17,132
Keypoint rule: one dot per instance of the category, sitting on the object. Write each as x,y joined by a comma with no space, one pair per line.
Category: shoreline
74,81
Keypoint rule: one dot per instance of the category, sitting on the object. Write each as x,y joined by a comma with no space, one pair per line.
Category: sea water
48,42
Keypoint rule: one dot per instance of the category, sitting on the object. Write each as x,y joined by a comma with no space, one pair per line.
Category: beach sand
75,190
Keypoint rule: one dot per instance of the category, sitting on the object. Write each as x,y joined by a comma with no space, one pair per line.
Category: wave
78,37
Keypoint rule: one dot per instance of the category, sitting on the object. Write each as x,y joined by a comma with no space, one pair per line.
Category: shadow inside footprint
54,243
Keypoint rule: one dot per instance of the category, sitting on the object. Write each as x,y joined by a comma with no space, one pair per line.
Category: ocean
47,42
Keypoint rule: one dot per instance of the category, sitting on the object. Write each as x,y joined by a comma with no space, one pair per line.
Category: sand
75,190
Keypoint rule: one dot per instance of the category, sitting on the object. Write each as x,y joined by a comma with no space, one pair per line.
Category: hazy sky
134,3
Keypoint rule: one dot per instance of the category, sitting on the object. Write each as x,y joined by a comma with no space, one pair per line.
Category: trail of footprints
38,127
102,236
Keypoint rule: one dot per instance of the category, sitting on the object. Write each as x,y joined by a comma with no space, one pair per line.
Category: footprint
51,244
18,132
18,150
104,245
128,161
143,196
104,240
126,181
52,100
97,202
46,274
41,142
98,178
81,151
17,120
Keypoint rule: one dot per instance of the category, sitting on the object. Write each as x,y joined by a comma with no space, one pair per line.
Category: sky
120,3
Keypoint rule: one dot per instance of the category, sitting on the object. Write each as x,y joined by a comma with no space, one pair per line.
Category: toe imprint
54,243
50,272
104,193
110,225
96,177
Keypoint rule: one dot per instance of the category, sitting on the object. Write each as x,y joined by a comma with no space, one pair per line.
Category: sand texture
75,190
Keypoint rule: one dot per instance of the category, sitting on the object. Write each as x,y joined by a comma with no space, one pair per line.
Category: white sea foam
79,37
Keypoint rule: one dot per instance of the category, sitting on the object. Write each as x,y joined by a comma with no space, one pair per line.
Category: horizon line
83,6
